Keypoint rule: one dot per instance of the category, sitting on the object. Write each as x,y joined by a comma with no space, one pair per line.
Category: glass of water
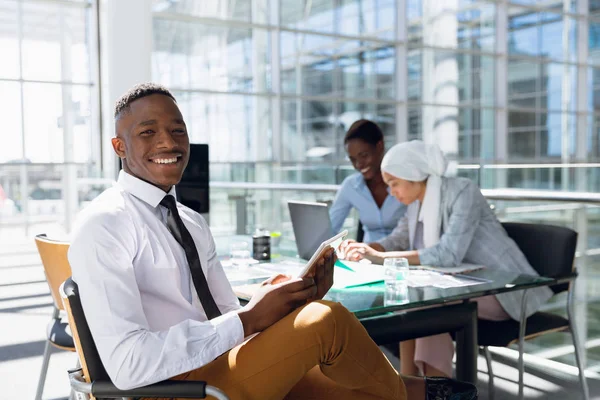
396,275
240,254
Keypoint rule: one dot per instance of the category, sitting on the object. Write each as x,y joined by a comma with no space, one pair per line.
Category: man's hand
357,251
323,274
273,301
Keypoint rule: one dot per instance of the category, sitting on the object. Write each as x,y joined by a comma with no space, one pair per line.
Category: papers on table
422,278
350,273
460,269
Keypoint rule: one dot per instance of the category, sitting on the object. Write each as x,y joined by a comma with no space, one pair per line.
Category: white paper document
459,269
357,274
422,278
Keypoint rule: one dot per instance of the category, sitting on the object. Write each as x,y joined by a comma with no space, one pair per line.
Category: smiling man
159,305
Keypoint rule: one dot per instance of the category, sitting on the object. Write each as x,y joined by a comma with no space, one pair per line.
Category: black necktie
183,236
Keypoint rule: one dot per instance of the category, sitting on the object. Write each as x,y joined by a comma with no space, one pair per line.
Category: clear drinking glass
396,275
240,254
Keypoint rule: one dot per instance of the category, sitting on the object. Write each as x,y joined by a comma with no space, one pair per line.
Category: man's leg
322,334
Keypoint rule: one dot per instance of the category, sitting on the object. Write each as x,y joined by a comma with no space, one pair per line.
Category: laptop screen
311,224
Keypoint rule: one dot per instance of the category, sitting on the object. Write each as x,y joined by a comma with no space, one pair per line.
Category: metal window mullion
60,82
96,97
501,94
250,25
24,176
401,72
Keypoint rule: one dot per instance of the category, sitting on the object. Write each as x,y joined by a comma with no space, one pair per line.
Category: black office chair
551,251
360,232
92,379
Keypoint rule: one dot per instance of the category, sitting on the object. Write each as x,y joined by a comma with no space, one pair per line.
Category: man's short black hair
137,92
365,130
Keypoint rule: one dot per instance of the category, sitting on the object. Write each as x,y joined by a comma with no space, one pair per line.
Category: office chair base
437,388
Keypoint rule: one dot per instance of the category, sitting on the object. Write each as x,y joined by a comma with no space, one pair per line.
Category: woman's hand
357,251
341,253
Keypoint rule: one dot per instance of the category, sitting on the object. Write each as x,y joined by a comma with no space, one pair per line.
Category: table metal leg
466,348
459,318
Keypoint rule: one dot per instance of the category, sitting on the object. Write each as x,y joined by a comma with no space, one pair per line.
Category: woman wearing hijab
448,222
366,191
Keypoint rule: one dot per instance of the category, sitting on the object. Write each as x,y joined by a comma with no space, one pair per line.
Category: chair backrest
360,232
84,343
56,264
549,249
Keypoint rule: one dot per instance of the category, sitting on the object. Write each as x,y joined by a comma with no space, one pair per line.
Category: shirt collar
142,190
359,181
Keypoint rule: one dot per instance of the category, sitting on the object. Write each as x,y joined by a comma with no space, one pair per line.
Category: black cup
261,247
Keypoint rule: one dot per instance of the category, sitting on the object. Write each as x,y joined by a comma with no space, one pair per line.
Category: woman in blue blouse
378,211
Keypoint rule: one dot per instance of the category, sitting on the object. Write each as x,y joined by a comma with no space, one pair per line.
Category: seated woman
448,222
366,191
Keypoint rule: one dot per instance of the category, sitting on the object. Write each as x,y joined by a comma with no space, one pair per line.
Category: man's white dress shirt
136,290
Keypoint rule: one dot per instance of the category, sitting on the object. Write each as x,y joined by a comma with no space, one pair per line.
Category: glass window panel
309,130
9,40
558,85
521,144
43,122
541,85
47,123
462,24
375,18
450,78
594,41
320,65
79,118
523,32
557,34
369,74
594,8
236,127
523,83
12,130
256,11
211,57
556,5
594,137
540,135
464,133
317,15
594,94
55,42
542,34
315,130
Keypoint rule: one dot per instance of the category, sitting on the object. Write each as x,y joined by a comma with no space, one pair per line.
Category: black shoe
449,389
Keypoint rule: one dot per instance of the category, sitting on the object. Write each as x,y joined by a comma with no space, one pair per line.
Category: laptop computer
311,224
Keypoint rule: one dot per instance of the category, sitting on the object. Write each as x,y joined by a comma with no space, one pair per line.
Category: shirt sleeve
398,240
458,235
340,208
101,257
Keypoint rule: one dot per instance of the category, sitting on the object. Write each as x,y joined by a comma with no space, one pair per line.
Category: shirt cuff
384,243
229,328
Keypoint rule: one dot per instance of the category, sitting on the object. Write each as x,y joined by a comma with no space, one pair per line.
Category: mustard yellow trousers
319,351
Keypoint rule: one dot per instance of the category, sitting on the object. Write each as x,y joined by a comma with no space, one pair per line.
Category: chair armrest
567,278
180,389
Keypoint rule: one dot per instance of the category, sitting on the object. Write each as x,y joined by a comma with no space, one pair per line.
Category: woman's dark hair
365,130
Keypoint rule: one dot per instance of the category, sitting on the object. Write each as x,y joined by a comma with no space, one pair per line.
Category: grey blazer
470,233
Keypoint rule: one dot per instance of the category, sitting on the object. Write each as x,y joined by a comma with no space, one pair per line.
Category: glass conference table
427,310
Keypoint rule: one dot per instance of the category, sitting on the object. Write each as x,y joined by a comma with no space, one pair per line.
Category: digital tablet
333,242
